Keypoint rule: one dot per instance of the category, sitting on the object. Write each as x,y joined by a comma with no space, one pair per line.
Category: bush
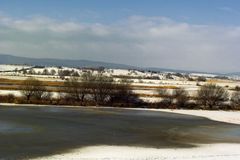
211,95
235,100
121,93
201,79
167,98
98,88
165,103
75,90
33,89
101,88
162,92
237,88
10,98
181,96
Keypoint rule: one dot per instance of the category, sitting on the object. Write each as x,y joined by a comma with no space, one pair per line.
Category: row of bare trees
178,97
32,88
209,96
103,90
96,88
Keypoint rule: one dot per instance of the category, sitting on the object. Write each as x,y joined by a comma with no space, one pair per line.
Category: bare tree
47,96
88,77
101,88
211,95
63,73
45,72
75,74
122,93
201,79
235,100
162,92
10,98
53,72
31,71
32,88
166,96
75,89
181,96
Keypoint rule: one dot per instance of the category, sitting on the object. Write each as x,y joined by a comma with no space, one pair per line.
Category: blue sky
199,35
224,12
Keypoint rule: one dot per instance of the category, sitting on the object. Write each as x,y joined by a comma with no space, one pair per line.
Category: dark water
27,132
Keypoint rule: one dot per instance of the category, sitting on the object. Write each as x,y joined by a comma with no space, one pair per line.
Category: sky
201,35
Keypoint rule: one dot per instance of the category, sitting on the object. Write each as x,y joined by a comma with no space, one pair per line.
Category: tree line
98,89
209,96
88,89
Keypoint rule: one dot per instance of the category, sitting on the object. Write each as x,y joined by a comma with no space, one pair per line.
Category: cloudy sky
201,35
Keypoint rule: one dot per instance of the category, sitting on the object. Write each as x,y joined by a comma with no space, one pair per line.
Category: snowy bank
221,116
208,152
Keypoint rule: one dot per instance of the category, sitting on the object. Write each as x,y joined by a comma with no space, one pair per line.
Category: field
144,83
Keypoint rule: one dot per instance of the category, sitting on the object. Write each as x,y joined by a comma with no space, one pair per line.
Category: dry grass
5,81
10,81
55,86
218,81
154,87
19,82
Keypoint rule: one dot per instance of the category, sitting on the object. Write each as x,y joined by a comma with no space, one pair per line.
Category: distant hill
183,71
233,74
9,59
171,70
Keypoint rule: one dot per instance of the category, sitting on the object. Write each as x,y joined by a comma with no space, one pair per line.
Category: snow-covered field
12,92
222,116
5,67
137,77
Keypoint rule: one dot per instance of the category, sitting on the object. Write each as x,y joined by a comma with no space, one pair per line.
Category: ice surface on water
8,127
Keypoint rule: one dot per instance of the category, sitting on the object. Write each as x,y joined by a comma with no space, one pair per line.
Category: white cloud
138,40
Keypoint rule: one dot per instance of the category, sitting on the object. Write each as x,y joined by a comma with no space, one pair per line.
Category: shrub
211,95
32,88
181,96
167,98
75,90
201,79
10,98
235,100
237,88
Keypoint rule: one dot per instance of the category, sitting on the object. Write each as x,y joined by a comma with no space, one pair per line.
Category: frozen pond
28,132
8,128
